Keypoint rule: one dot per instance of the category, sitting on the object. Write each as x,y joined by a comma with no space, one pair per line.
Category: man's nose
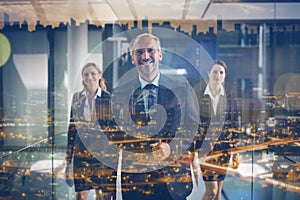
145,54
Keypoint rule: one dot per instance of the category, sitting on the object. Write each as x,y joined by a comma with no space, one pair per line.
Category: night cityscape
41,74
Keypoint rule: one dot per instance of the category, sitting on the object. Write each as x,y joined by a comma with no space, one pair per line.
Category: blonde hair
101,84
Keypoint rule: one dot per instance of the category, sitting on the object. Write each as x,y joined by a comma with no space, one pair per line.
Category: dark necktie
151,95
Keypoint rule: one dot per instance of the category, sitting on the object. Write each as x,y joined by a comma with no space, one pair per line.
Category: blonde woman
92,105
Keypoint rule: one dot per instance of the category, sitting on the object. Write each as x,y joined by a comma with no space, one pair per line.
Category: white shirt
154,82
214,100
88,111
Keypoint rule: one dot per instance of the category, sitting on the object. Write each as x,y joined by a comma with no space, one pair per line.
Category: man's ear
160,56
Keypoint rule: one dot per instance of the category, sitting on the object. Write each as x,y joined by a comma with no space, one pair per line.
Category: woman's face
217,74
91,77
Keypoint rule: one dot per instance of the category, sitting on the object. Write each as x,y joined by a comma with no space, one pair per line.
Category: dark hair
218,62
101,81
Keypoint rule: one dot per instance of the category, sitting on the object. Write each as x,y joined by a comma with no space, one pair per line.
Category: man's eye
150,50
139,52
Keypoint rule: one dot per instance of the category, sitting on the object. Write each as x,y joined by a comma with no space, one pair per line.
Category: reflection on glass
267,143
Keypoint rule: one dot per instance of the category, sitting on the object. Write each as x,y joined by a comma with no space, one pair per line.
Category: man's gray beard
145,71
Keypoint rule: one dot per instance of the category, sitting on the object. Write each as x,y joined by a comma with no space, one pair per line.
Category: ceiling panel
123,9
197,8
287,11
56,13
53,12
154,10
98,13
101,13
254,1
19,13
240,11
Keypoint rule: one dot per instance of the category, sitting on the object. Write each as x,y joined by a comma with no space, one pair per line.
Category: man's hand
161,150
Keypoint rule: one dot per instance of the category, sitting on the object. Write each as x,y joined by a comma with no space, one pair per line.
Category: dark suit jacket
103,113
225,117
176,99
84,139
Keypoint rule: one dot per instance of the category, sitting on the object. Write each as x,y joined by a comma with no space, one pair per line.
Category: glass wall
40,70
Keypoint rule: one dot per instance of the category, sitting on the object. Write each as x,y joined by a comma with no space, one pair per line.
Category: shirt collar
154,82
208,91
98,94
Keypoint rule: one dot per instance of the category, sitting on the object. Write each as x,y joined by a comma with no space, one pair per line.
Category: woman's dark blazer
227,115
86,165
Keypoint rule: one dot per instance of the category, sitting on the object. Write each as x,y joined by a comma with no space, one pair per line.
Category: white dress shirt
88,111
214,100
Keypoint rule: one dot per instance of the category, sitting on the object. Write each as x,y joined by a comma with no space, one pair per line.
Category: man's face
146,56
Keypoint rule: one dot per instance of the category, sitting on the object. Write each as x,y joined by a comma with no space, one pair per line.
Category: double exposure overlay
226,101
